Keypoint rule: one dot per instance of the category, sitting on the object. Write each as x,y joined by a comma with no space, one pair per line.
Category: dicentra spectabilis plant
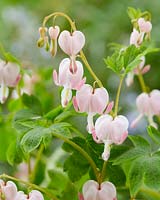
106,162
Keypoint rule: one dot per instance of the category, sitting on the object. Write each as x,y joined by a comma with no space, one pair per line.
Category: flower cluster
8,191
93,191
88,99
9,77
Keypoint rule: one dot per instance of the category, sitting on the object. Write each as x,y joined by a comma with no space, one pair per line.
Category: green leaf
115,62
154,134
10,58
61,129
140,142
70,192
32,139
32,103
133,13
65,115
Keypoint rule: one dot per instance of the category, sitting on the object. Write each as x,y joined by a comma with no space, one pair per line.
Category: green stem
103,172
83,57
142,83
41,189
118,96
38,158
84,153
153,193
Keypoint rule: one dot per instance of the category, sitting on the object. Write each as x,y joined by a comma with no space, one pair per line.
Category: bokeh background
102,22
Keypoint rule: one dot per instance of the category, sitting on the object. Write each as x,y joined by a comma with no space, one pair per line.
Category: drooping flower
9,77
140,69
148,105
91,101
136,38
144,26
43,40
53,33
8,189
93,191
68,79
71,44
108,131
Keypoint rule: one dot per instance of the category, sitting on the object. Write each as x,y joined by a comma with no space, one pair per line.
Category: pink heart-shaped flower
71,44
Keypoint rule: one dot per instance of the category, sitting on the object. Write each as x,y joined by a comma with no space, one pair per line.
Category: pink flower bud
155,101
91,101
54,32
93,191
144,26
71,44
109,130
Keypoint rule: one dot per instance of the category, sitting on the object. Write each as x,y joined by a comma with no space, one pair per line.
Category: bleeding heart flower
109,131
144,26
148,105
9,77
53,33
140,69
68,79
9,190
71,44
91,101
93,191
136,38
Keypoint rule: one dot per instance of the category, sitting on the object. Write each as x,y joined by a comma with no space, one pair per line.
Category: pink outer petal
155,101
55,77
103,127
83,97
99,100
21,196
9,190
90,190
35,195
109,107
75,104
80,196
10,74
107,192
119,129
54,32
145,69
71,44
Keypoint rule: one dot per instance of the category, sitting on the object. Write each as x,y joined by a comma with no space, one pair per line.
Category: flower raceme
93,191
91,101
108,131
68,79
148,105
9,77
8,191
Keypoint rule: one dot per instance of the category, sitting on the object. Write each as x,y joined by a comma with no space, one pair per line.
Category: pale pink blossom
148,105
136,38
68,79
9,77
140,69
91,101
93,191
144,26
109,130
53,33
71,44
8,189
